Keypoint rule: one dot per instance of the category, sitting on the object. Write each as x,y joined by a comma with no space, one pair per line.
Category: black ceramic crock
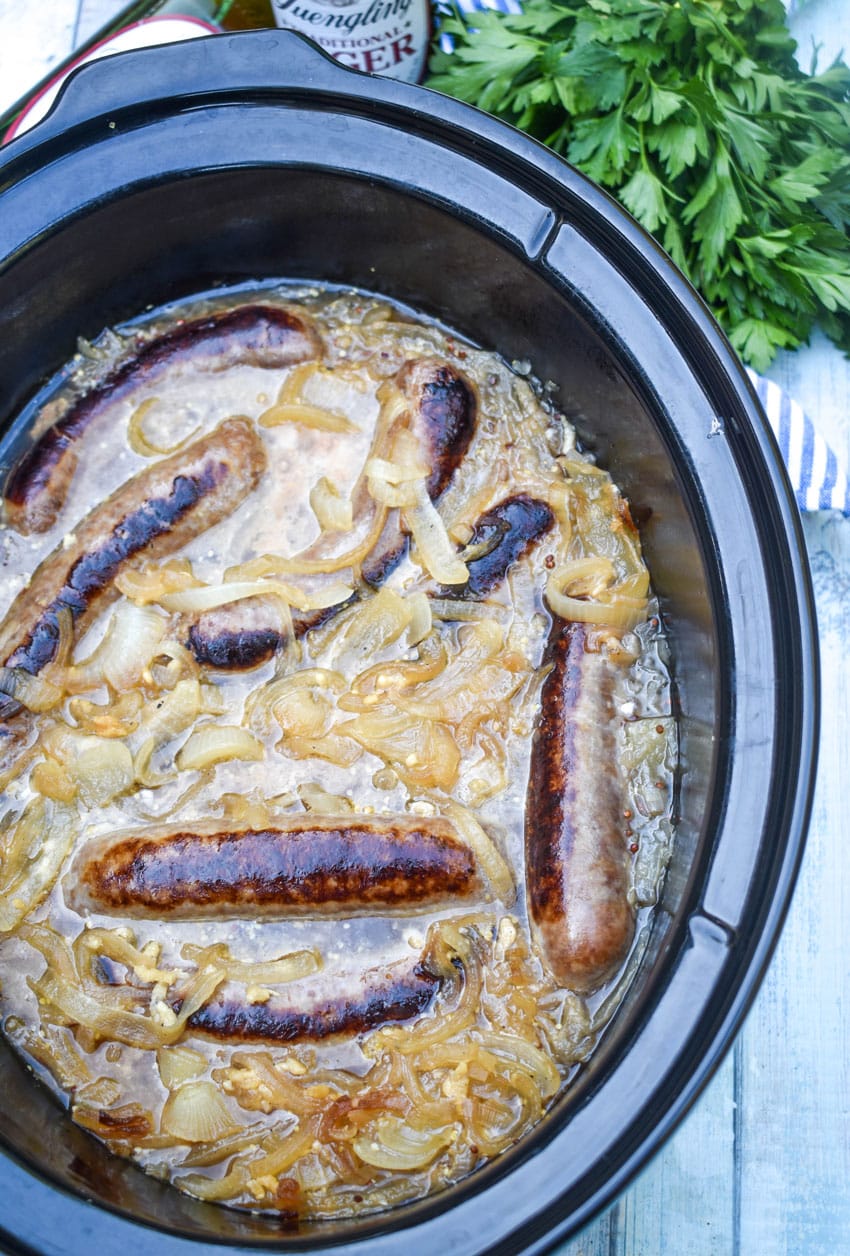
166,172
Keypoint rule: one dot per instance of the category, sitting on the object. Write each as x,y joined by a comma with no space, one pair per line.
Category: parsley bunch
696,116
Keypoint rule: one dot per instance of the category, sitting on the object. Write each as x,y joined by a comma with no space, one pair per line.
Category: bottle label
379,36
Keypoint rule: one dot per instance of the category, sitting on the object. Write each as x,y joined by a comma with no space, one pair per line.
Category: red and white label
387,37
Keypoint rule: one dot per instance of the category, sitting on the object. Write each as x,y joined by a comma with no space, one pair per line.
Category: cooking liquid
519,1042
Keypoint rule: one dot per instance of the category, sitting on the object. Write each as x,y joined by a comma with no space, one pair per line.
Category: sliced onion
396,472
333,511
276,972
106,1019
109,942
65,643
282,1153
102,771
152,583
423,752
129,1122
392,496
421,620
269,972
141,443
178,1064
376,623
464,687
329,746
616,614
584,591
319,801
308,416
50,779
34,849
526,1056
274,700
391,1143
433,545
471,612
216,743
484,640
33,692
487,854
117,718
104,1092
195,601
291,389
389,678
131,640
559,499
174,663
53,1047
196,1113
206,1154
174,713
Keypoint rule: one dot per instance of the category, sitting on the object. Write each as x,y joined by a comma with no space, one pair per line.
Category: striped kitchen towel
819,480
817,477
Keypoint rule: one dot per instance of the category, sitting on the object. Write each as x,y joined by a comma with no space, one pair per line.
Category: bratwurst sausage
245,634
306,865
440,411
251,335
153,514
576,857
393,992
505,534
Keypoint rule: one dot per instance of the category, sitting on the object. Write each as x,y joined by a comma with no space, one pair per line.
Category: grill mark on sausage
239,636
442,412
254,335
575,851
513,526
393,993
306,866
151,515
444,407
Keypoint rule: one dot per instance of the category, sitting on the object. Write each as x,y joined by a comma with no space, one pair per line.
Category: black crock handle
267,62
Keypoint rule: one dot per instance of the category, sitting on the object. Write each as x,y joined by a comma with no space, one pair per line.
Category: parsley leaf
696,115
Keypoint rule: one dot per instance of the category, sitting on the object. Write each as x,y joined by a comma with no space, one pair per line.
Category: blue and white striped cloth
817,477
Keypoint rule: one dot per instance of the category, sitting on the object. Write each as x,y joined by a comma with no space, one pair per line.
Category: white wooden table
762,1164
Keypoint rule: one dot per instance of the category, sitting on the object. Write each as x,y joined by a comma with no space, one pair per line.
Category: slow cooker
167,172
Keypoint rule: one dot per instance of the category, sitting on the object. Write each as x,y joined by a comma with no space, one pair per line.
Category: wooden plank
685,1200
795,1149
94,14
33,39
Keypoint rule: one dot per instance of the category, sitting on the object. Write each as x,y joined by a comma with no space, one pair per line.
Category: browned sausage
443,410
151,515
238,636
307,865
248,633
253,335
359,1001
576,859
441,413
507,531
